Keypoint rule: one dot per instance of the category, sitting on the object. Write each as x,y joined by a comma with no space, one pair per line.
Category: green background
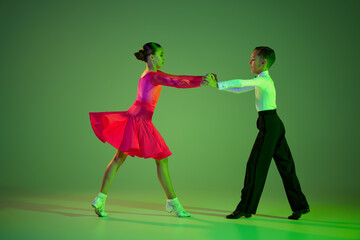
60,60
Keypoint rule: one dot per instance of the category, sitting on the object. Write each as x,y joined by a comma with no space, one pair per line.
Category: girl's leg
111,170
173,204
99,202
164,177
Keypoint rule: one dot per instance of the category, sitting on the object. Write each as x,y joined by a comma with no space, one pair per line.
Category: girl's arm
178,81
191,78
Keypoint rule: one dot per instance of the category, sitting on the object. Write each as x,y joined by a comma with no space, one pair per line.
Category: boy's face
257,63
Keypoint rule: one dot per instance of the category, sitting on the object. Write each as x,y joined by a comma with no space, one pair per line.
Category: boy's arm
239,83
239,90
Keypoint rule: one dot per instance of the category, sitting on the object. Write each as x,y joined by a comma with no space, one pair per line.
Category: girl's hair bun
140,55
148,49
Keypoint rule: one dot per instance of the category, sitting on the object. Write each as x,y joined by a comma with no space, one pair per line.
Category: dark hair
266,53
148,49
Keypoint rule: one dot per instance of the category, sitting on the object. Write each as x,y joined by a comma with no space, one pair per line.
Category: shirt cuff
221,85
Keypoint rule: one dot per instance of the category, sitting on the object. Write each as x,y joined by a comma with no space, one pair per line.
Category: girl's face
158,58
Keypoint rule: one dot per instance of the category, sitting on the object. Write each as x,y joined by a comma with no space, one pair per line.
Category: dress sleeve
178,81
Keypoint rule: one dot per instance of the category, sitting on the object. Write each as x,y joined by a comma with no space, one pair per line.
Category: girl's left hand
211,79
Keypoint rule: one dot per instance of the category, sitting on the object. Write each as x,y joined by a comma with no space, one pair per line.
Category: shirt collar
264,74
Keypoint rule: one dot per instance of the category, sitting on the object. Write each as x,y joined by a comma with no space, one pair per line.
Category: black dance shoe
237,214
297,214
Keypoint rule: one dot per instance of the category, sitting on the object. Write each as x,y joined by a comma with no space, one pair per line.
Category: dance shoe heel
169,208
297,214
237,214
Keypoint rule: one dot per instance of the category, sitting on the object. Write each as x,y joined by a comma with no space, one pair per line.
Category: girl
132,132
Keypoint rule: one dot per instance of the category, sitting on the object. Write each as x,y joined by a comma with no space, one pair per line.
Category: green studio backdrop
60,60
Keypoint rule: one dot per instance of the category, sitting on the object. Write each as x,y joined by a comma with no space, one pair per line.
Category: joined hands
210,80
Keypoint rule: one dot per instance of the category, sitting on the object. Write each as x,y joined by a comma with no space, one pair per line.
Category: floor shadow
209,209
179,224
269,216
161,207
44,207
331,222
59,210
307,222
138,204
89,212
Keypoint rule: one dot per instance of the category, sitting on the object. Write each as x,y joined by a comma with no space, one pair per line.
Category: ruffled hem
133,135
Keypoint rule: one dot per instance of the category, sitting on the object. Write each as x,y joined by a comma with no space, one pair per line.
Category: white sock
173,199
102,195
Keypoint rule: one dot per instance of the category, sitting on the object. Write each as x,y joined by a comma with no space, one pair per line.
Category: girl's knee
161,161
120,156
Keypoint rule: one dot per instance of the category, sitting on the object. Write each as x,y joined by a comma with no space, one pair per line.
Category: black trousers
270,143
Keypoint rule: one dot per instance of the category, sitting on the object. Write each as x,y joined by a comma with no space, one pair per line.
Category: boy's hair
266,53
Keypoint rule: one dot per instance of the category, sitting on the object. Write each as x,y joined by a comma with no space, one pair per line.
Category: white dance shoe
99,205
173,205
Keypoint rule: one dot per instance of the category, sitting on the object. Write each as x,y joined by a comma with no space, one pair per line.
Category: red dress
132,131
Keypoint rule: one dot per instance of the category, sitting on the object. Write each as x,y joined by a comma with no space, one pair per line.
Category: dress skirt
131,131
